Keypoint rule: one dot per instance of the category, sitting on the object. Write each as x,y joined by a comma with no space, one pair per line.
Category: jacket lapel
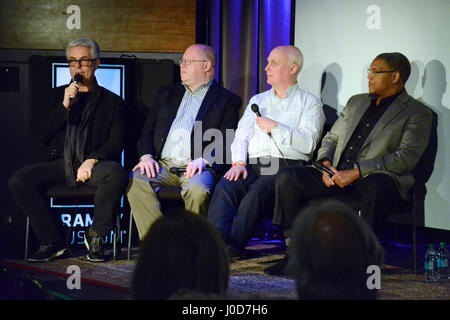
208,101
174,102
353,123
171,109
396,106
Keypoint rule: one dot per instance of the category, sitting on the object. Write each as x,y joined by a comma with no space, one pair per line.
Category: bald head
331,248
206,51
283,65
294,56
197,65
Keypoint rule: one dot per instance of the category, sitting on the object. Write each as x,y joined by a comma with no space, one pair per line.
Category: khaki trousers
144,202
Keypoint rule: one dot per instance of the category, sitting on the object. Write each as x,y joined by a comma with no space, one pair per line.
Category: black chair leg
414,240
130,228
27,236
116,239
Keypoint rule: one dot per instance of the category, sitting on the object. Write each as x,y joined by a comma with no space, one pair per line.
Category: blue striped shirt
178,144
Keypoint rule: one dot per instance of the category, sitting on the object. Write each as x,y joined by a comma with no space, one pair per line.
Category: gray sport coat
395,144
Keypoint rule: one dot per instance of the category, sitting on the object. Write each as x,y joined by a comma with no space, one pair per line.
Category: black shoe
95,246
48,252
233,253
278,269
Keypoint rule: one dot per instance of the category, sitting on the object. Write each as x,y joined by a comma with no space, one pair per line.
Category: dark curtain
243,32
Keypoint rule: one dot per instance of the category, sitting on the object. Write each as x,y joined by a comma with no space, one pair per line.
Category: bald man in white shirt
285,135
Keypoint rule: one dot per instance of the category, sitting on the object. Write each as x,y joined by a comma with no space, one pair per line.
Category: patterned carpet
247,279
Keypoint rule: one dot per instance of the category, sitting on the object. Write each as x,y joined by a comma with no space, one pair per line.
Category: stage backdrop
117,25
341,38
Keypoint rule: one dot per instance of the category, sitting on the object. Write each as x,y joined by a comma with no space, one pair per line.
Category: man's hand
197,164
266,124
70,93
326,179
148,166
235,172
84,172
346,177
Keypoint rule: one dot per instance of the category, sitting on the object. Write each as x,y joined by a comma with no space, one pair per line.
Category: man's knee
378,184
198,191
117,175
137,186
285,177
224,185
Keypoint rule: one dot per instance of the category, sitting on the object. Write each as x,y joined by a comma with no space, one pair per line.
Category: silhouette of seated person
181,251
331,248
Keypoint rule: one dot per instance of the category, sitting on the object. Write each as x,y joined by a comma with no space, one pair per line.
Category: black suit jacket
106,139
219,110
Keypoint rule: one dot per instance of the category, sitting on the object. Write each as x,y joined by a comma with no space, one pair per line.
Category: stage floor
111,280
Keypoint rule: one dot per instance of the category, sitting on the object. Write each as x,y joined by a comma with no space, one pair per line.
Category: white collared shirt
300,120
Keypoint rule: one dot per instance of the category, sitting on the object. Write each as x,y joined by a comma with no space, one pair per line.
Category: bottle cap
442,244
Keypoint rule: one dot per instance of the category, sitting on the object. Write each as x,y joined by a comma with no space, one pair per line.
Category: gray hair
295,56
208,51
85,42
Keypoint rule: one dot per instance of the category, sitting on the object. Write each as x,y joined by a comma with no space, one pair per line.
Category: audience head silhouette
181,251
331,248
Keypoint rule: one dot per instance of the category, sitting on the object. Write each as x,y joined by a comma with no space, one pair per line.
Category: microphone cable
255,109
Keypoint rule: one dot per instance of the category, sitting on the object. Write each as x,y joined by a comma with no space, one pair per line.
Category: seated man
371,150
331,249
79,138
284,134
172,136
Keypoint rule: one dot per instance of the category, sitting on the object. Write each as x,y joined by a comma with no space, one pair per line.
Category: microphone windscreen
255,108
173,170
78,78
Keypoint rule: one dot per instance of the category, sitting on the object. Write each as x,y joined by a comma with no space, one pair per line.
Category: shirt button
367,124
351,148
348,160
359,137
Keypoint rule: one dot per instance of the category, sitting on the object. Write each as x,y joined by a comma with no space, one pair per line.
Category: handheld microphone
176,170
319,165
78,78
255,109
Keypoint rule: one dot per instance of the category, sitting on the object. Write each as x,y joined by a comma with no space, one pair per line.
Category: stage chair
414,206
404,207
169,197
63,191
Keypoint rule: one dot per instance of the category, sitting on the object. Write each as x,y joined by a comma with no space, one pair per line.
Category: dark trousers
28,186
237,206
377,193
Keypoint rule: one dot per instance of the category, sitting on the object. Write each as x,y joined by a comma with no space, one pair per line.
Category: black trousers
295,186
28,186
237,206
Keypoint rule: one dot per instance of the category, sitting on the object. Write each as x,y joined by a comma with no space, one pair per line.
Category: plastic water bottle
431,265
442,253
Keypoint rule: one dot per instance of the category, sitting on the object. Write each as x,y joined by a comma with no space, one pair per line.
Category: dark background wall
15,105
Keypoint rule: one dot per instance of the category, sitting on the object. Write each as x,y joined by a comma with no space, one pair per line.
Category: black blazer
106,139
219,110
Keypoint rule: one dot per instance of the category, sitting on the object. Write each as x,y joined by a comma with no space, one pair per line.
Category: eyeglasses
188,62
370,71
82,62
